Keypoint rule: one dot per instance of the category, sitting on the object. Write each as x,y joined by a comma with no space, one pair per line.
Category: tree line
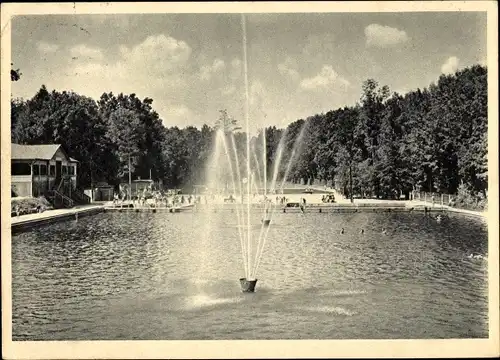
386,145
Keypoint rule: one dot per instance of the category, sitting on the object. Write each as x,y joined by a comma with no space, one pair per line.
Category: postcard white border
268,348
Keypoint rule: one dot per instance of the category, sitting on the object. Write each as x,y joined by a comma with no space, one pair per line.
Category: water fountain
241,173
226,170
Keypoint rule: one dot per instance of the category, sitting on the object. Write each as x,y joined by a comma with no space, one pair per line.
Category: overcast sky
191,64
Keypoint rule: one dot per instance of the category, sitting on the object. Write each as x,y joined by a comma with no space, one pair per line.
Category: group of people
330,198
362,231
156,198
281,200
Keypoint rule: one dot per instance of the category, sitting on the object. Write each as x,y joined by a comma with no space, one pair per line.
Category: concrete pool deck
25,222
129,207
313,204
410,204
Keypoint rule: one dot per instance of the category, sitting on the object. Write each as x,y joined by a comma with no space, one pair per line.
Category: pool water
163,276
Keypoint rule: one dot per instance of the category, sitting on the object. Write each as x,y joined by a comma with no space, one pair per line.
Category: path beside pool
23,222
341,200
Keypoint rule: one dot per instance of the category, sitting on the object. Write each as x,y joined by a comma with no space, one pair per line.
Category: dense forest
386,145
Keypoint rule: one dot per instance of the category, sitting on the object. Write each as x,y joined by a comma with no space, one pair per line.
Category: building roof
138,181
102,184
32,152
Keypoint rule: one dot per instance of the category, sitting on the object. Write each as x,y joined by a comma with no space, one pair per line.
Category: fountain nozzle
248,286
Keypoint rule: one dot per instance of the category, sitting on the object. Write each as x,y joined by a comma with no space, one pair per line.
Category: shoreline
26,222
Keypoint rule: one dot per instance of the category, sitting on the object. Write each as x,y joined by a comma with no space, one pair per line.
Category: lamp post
351,195
91,180
129,179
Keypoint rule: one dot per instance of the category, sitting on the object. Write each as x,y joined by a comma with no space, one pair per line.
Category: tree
150,161
389,162
471,115
273,137
414,144
68,119
17,107
126,133
345,140
15,74
372,106
435,138
226,123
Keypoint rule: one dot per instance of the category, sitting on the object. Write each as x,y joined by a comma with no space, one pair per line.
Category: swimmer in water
384,231
362,231
342,231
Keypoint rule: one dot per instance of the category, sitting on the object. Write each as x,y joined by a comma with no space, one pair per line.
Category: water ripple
175,276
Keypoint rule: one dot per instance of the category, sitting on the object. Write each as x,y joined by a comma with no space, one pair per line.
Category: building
36,169
102,191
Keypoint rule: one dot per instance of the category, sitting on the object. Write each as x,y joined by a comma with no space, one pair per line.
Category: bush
29,205
467,199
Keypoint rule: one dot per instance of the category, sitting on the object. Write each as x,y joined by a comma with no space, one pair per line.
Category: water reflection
172,276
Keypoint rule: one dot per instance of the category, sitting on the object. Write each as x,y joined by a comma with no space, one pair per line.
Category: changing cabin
36,169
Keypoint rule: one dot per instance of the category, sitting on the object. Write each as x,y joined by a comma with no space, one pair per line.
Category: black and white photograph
255,171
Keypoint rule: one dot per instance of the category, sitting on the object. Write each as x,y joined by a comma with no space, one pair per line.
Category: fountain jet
247,123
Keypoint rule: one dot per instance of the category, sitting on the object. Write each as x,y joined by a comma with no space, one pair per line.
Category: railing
442,199
433,198
79,196
61,183
66,188
58,199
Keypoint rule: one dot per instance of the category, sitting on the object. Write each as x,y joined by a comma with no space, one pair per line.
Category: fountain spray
248,283
222,140
264,155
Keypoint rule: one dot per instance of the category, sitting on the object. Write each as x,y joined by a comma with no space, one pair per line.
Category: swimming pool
171,276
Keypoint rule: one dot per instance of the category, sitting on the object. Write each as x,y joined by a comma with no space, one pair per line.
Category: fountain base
248,286
266,222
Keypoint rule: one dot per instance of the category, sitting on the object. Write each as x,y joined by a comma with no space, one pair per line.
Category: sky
192,65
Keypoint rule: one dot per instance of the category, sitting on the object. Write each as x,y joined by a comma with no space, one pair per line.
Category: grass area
29,205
